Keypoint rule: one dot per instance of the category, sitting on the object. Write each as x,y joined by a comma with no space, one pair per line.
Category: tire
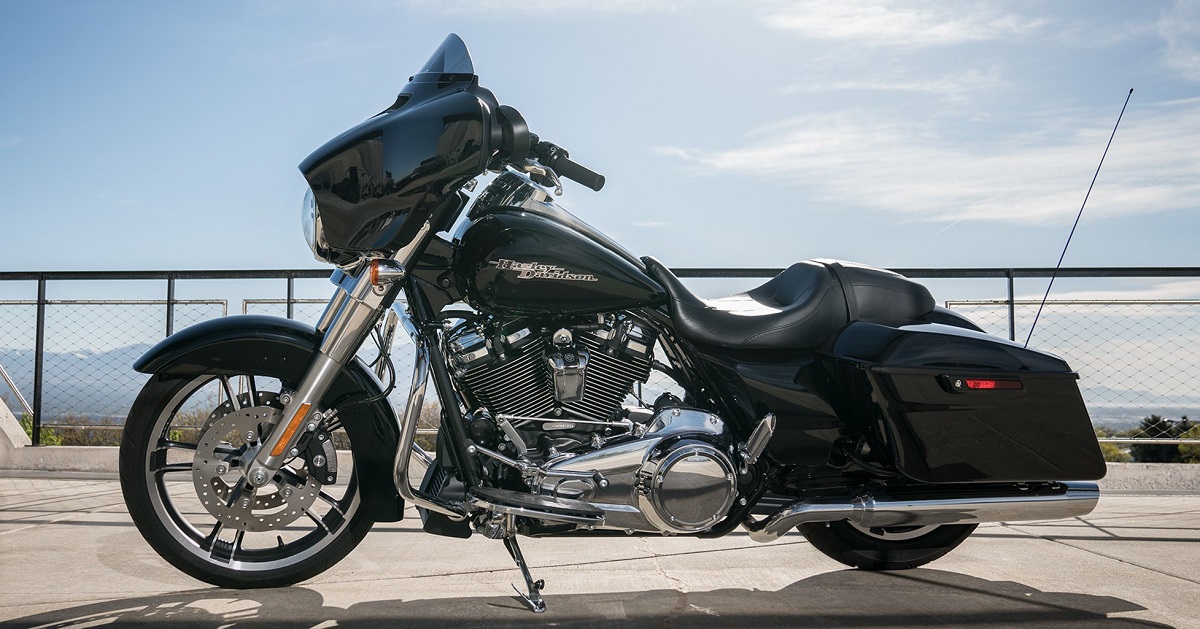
895,548
172,432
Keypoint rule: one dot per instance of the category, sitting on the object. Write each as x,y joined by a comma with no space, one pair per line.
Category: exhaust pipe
964,506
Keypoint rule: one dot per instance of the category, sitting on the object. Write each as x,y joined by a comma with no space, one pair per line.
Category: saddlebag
953,405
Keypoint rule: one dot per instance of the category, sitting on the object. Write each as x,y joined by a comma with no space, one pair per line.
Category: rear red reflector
979,384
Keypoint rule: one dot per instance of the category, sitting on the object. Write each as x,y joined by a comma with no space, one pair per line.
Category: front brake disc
223,490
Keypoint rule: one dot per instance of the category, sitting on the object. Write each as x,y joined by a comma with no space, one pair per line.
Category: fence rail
1138,356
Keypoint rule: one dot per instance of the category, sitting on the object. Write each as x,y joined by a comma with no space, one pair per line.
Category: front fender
282,348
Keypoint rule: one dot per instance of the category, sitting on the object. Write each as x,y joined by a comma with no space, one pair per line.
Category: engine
558,384
550,392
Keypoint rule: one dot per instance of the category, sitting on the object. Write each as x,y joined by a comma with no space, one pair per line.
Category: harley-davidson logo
539,271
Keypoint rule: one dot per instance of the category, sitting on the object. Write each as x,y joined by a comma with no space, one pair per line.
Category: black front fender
283,349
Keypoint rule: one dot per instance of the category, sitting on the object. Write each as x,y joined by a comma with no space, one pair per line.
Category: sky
165,135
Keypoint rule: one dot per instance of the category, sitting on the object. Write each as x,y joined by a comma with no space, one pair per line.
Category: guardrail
1116,343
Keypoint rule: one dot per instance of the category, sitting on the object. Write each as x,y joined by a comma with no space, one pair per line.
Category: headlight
311,222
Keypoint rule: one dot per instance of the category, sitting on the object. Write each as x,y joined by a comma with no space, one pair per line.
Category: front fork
358,303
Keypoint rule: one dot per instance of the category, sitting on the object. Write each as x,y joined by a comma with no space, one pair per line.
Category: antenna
1077,217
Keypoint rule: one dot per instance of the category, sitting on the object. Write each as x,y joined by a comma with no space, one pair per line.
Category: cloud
953,87
547,7
1180,29
886,23
1169,290
855,158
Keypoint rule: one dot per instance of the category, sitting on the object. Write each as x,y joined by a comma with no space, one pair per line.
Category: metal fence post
170,304
39,353
291,295
1012,307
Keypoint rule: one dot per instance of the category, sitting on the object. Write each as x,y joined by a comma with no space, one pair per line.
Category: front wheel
884,548
185,445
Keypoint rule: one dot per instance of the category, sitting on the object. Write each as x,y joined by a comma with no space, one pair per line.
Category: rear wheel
884,548
185,446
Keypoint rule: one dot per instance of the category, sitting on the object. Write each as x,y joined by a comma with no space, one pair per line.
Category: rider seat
798,309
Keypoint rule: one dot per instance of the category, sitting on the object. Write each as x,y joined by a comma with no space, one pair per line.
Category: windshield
450,58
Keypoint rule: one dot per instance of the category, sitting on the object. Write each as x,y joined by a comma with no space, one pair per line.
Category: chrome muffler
1061,500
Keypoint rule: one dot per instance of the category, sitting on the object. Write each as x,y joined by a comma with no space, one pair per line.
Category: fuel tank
521,254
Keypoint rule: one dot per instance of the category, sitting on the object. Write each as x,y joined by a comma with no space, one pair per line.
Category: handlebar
559,161
516,144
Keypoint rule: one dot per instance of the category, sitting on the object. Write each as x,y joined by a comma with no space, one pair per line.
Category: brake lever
542,175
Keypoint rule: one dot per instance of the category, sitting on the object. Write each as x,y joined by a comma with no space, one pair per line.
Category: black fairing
907,381
515,262
376,184
283,348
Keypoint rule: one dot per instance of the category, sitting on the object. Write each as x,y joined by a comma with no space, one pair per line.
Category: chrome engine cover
677,478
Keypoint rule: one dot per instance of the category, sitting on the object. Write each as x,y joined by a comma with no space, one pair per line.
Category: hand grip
559,161
577,172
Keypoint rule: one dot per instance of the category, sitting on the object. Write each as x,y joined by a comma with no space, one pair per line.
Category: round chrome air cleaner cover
689,487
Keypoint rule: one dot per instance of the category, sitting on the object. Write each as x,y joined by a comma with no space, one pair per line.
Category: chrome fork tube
352,312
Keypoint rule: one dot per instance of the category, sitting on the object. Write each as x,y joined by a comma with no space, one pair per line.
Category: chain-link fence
70,359
1138,360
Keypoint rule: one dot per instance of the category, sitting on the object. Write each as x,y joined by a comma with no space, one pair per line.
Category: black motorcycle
836,399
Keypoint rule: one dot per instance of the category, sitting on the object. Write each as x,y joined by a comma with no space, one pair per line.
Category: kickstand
534,598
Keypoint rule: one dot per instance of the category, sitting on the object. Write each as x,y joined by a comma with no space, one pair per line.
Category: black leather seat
798,309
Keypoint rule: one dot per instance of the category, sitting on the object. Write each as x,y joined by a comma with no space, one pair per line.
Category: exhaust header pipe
964,506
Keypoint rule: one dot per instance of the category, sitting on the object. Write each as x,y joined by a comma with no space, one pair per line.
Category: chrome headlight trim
310,221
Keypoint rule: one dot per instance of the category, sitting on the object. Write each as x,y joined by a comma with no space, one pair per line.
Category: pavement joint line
574,564
57,499
1093,526
68,516
1127,516
1100,554
1130,516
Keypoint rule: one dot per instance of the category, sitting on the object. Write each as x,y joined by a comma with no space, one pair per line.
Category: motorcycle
835,399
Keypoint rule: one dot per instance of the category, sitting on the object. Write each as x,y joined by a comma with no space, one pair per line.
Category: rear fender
282,348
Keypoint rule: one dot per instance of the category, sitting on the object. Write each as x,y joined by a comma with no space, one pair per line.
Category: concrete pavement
70,557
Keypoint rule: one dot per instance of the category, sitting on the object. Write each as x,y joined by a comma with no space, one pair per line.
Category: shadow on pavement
848,598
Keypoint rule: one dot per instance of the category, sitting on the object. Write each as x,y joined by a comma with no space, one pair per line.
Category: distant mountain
85,383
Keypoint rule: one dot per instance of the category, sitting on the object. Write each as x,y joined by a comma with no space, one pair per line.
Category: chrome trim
631,472
523,418
534,513
349,326
696,502
407,254
424,457
336,303
757,442
1068,500
388,271
537,475
320,376
408,432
